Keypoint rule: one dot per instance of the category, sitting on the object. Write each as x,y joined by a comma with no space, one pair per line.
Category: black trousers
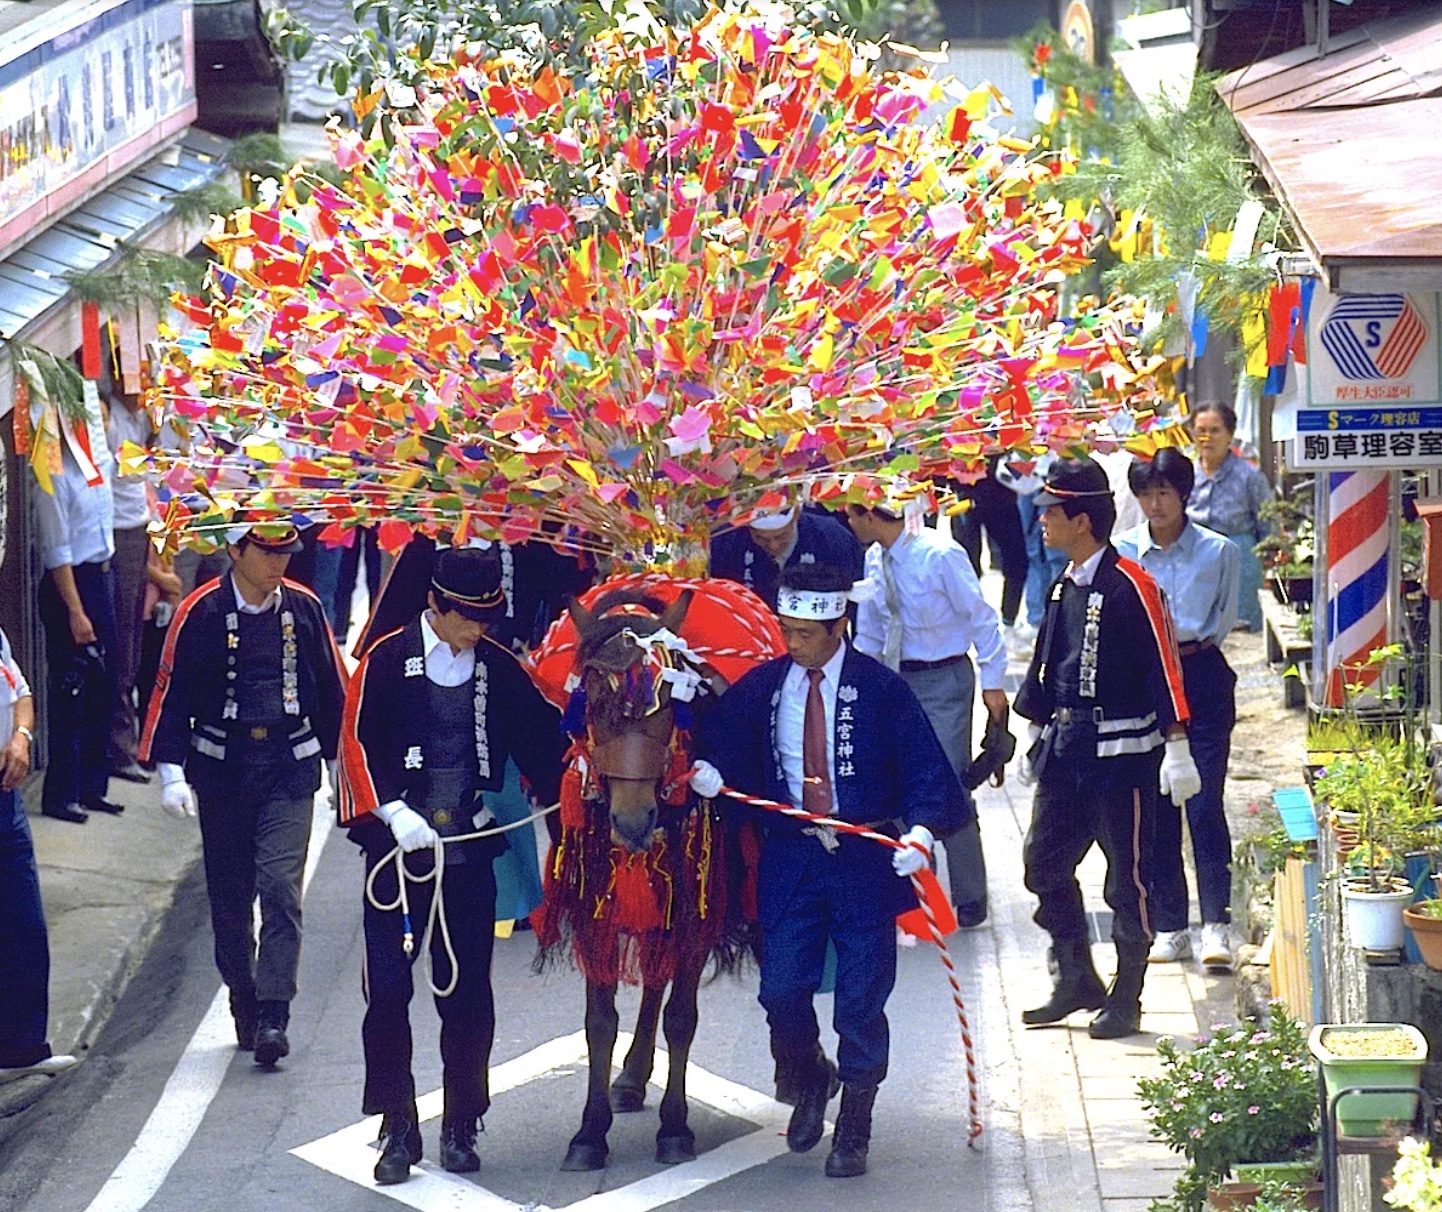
993,507
1081,800
82,689
468,1015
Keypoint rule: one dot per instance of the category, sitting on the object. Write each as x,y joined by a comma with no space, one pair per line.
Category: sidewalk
106,885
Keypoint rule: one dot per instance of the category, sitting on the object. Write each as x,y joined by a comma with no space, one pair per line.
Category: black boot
1078,987
1123,1013
458,1144
817,1088
400,1146
853,1133
243,1009
271,1043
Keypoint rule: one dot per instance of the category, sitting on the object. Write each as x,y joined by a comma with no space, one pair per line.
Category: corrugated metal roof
1384,61
32,278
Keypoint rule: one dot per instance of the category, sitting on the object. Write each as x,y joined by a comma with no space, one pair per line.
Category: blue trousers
25,954
1249,607
1043,563
1210,685
793,956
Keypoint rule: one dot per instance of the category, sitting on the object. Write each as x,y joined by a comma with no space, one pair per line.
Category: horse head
628,669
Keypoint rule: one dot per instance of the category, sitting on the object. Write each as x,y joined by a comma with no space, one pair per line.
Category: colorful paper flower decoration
634,304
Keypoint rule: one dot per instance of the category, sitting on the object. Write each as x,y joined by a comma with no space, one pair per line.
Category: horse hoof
585,1156
627,1098
673,1150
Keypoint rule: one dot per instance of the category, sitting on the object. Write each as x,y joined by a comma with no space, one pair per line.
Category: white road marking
349,1154
193,1084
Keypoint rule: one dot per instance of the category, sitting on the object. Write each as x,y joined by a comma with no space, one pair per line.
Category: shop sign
70,103
1371,391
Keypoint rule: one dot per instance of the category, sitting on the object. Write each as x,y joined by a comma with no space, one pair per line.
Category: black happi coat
388,722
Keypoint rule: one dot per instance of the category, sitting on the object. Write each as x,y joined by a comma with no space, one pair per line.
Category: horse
637,880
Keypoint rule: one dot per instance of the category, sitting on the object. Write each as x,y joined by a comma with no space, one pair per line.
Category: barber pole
1357,578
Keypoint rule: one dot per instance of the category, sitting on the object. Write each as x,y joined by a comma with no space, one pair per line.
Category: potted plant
1244,1094
1287,553
1424,919
1416,1179
1364,1055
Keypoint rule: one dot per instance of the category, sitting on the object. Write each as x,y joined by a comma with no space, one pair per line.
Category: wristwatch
24,731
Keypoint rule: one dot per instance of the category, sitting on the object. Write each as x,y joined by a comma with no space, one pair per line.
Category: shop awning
32,279
1348,142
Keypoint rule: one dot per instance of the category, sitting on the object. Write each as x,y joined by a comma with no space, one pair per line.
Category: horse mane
606,625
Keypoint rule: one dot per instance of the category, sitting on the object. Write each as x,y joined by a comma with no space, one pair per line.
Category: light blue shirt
76,522
1199,573
942,611
1229,501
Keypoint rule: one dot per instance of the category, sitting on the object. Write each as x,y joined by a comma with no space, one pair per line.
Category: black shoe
243,1009
1078,987
73,813
130,773
102,805
271,1043
1123,1013
852,1138
970,914
808,1118
458,1145
400,1146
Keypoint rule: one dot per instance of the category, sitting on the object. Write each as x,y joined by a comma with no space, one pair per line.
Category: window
993,20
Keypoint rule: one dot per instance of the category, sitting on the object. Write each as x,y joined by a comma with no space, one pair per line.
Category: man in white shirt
927,618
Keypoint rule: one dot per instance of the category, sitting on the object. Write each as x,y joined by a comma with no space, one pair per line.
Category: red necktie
815,769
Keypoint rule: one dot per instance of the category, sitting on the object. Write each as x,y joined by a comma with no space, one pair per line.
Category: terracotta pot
1427,931
1233,1194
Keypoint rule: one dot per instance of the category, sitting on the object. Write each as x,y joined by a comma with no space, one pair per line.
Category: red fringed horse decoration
644,885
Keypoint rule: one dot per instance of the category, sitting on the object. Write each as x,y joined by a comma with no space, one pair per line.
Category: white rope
436,873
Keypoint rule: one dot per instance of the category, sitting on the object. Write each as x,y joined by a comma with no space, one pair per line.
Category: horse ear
673,615
580,616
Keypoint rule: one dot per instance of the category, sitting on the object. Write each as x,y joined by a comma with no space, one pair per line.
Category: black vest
260,683
448,787
1067,654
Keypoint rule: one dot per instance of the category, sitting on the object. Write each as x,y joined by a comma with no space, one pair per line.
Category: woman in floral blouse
1228,497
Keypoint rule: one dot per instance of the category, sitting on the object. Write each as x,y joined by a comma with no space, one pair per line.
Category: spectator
76,523
25,958
1228,498
994,509
128,423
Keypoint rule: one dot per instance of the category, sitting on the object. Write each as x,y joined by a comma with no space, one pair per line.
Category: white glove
326,791
909,860
706,780
1180,779
408,827
1025,775
176,796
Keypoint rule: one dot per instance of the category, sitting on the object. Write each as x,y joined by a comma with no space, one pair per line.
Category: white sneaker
48,1067
1170,946
1216,950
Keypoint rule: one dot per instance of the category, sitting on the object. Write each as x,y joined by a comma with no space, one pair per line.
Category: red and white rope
972,1082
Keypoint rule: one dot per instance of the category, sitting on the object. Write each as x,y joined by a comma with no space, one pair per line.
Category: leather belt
1192,647
1079,715
923,666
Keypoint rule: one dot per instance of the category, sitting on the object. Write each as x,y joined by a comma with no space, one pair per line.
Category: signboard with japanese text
91,97
1370,393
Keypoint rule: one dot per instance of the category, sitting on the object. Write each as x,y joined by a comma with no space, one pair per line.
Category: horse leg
628,1091
675,1142
588,1149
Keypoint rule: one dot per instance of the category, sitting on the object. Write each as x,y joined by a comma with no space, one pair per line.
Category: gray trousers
132,548
256,850
947,696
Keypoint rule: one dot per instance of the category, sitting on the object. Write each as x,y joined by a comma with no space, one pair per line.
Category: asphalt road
271,1141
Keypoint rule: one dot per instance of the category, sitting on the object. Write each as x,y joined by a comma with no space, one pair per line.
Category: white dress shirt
444,667
132,506
271,602
13,688
943,613
791,723
76,521
1081,575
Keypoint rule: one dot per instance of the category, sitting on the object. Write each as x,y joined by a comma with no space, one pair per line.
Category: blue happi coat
889,766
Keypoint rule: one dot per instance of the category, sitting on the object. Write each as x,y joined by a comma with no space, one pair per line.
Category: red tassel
914,920
573,808
635,904
90,340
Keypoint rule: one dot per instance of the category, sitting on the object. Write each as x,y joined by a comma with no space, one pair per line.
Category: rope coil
973,1085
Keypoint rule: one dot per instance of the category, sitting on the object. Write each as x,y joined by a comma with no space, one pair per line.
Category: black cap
468,581
1073,480
276,535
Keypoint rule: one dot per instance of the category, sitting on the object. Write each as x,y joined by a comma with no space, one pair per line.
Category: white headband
773,521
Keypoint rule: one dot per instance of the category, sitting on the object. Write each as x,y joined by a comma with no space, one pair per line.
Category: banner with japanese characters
1371,390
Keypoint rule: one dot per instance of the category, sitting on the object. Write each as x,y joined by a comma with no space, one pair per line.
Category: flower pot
1374,919
1427,933
1287,1173
1235,1193
1392,1062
